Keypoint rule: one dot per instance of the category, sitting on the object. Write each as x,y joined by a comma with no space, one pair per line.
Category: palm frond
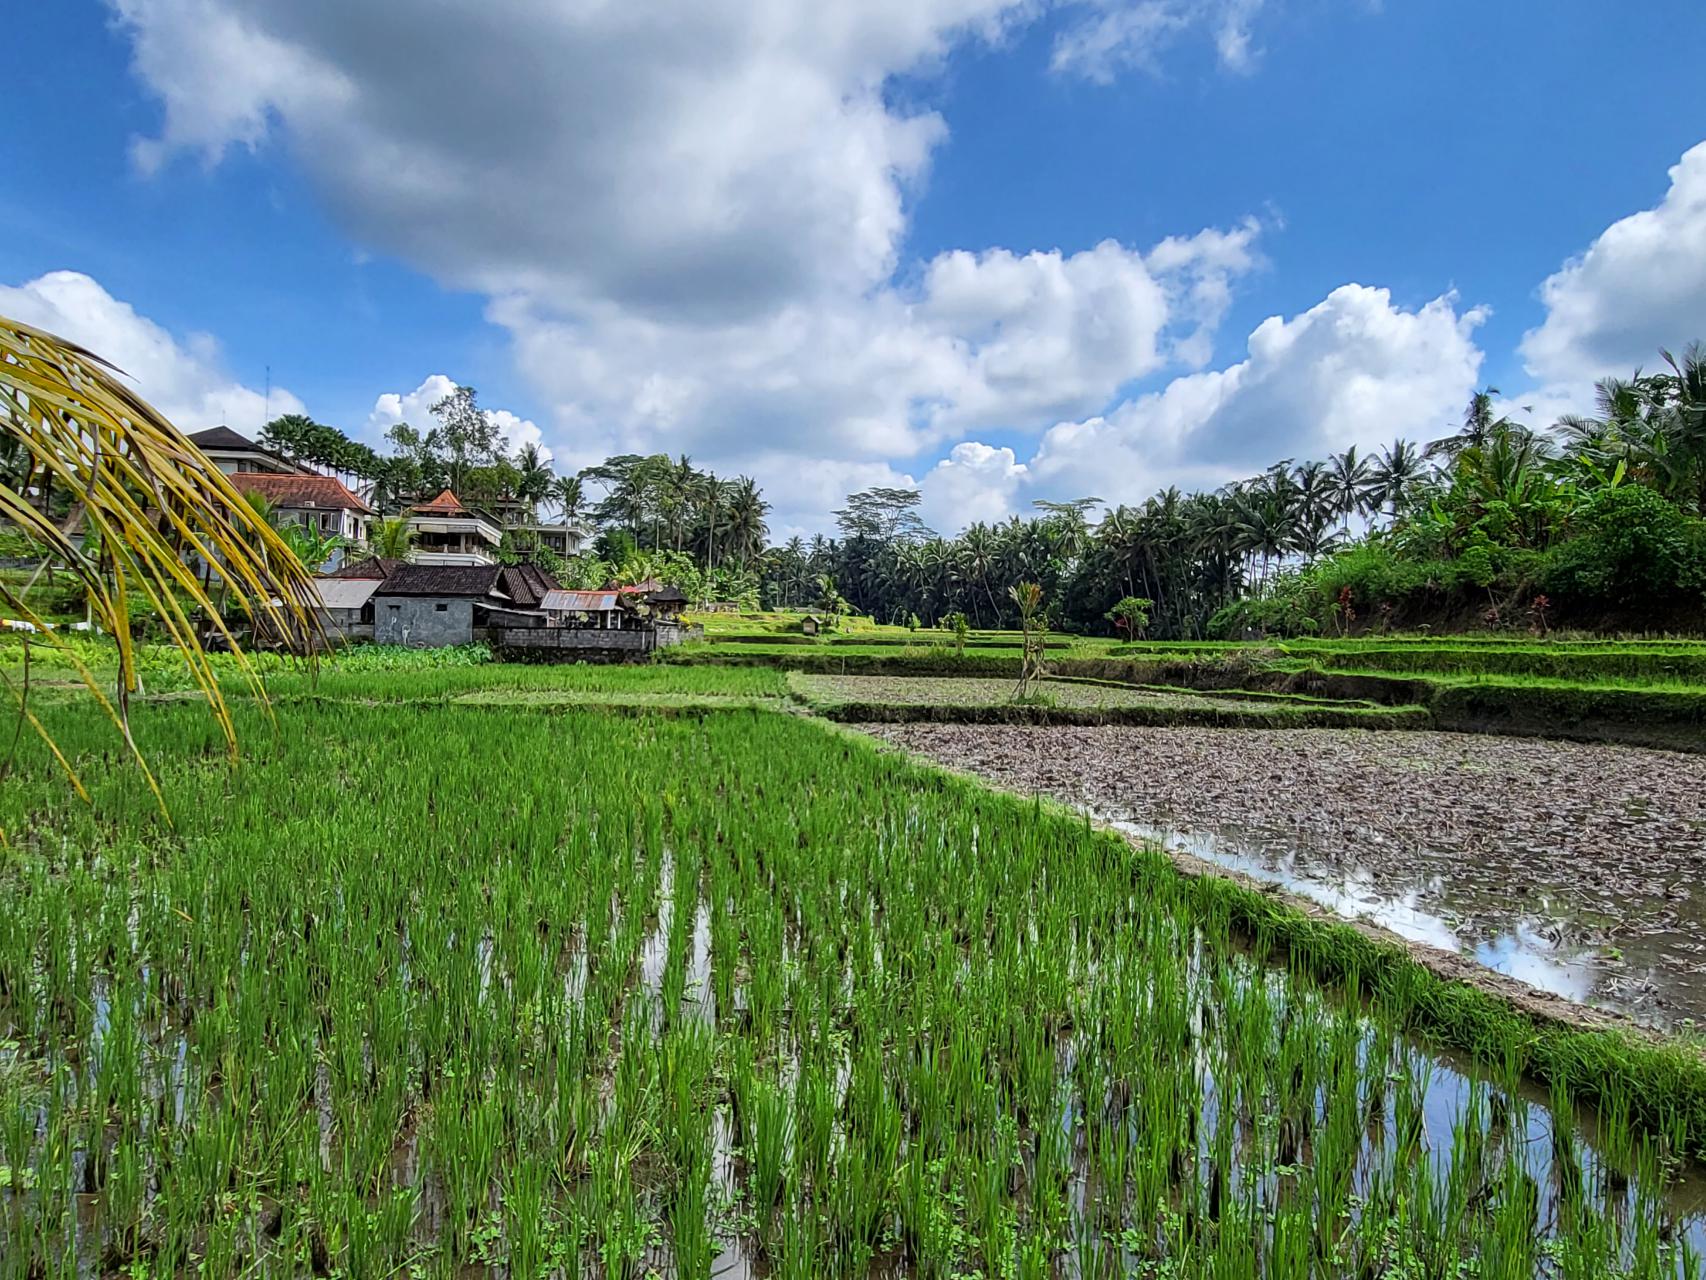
154,503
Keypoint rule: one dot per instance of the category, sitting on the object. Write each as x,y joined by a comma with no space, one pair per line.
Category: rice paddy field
964,691
439,981
867,699
1574,867
1648,693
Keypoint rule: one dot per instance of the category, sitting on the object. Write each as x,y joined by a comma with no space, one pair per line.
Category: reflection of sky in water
1522,952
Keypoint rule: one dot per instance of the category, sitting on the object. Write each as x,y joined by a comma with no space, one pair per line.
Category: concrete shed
427,606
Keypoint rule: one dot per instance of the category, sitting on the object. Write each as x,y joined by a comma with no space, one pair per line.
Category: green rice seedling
768,1139
438,987
691,1241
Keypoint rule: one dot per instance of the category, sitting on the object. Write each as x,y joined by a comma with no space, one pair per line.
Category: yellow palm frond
153,503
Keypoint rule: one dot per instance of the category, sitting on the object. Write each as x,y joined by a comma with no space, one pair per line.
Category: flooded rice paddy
1579,869
432,992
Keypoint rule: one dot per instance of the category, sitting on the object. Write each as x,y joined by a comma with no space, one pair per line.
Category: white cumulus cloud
1638,288
183,377
1640,285
1353,369
975,482
680,158
689,217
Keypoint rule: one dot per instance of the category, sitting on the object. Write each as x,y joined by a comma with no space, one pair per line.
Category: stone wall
571,644
422,622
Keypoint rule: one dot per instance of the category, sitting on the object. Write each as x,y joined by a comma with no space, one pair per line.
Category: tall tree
883,515
533,477
569,496
1351,477
1397,469
745,519
466,434
713,493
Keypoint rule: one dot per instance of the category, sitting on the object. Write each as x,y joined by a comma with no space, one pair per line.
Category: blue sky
1005,251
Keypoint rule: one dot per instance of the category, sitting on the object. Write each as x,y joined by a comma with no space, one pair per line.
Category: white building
448,532
232,453
321,504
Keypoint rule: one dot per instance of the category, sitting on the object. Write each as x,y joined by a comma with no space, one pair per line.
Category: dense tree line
1600,520
647,515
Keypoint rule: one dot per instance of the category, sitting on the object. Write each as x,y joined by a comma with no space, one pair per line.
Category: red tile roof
326,492
446,504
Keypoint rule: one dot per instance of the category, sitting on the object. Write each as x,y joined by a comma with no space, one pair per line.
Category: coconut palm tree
533,478
1316,506
1396,470
745,527
713,494
154,503
677,484
568,495
977,552
1351,480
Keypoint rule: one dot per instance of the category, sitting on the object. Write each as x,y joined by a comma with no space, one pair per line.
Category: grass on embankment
1647,713
961,700
1645,666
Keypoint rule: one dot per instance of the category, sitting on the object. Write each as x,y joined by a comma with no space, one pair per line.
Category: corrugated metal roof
345,593
578,601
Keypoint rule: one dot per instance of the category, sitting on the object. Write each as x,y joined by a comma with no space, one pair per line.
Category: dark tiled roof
372,567
669,595
442,580
523,585
223,438
526,584
321,492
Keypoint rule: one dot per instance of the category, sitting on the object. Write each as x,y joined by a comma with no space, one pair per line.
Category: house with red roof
449,532
320,504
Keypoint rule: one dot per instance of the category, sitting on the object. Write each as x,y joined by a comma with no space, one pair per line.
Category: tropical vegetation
1599,522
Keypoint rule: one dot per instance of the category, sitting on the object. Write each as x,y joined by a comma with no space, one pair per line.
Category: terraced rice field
953,691
1580,869
445,990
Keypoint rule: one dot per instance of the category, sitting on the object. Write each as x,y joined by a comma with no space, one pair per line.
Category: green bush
1631,548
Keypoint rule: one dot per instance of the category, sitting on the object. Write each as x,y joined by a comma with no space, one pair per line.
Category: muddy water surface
1580,869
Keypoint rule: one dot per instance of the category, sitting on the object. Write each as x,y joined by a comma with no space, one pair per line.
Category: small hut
667,603
809,625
